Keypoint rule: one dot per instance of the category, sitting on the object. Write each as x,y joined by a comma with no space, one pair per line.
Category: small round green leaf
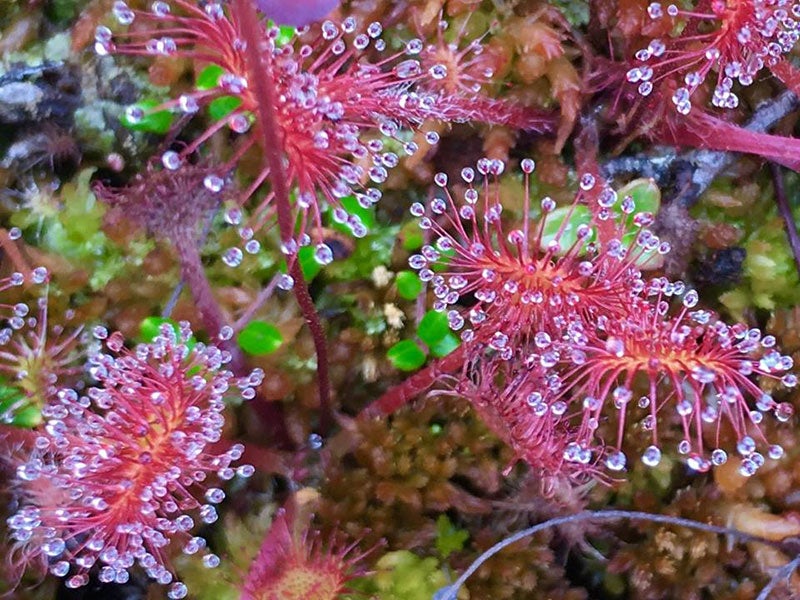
445,346
151,327
433,327
406,355
221,107
286,34
645,194
411,236
158,121
259,338
409,285
209,77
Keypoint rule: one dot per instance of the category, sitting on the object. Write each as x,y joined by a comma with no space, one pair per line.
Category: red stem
194,276
402,393
193,273
260,75
701,130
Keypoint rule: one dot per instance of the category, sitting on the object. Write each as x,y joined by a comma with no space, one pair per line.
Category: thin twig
450,592
781,574
262,297
786,213
260,73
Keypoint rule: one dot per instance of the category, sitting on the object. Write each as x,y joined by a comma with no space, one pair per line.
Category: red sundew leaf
788,74
297,13
293,565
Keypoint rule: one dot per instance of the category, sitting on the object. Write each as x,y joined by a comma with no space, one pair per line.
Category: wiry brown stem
450,592
786,214
261,77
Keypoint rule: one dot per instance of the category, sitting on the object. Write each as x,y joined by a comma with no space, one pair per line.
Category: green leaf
570,217
286,34
406,355
151,327
158,121
209,77
433,327
259,338
408,284
308,264
449,538
411,236
221,107
645,194
445,346
351,205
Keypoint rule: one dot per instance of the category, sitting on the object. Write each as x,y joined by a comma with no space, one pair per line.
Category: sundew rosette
529,282
686,362
724,43
122,475
343,108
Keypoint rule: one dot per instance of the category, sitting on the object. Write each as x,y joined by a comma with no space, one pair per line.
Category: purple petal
296,12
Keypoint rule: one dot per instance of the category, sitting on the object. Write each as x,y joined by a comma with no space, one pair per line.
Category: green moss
75,233
769,275
402,575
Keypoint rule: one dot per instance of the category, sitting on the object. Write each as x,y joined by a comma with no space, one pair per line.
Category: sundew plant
438,299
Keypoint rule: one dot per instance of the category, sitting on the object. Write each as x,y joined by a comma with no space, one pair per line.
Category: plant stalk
261,78
194,275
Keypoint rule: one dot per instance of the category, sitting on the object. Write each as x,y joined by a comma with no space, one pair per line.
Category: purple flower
297,12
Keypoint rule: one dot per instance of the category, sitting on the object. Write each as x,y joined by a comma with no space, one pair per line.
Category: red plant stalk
266,108
701,130
401,394
194,275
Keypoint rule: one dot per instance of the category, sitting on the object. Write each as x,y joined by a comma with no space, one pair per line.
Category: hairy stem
411,387
194,275
13,253
261,75
450,592
786,214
